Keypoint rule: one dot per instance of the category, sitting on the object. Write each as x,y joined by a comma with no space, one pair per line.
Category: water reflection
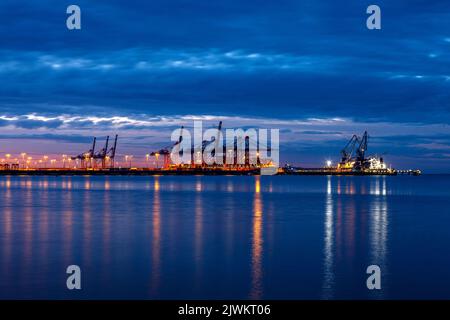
28,220
44,222
345,219
198,185
106,224
156,240
328,281
230,186
87,225
67,228
7,222
198,233
257,243
189,249
379,228
87,183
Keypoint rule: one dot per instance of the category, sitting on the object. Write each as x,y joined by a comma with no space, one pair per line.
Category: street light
64,160
157,157
128,160
23,154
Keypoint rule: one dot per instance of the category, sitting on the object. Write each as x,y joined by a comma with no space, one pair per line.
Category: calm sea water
287,237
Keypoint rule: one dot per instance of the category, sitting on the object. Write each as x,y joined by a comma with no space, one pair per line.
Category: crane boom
349,149
361,152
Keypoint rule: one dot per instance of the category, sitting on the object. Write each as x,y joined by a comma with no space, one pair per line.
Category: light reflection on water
218,237
257,243
156,239
343,218
328,281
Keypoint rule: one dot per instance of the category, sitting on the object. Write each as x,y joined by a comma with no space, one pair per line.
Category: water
287,237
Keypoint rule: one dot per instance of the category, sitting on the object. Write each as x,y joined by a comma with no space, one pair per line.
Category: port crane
218,150
85,157
106,154
111,153
165,151
354,152
361,152
349,149
214,140
101,155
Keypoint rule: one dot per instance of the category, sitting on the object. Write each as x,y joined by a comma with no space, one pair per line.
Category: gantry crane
166,153
111,153
89,158
86,157
104,154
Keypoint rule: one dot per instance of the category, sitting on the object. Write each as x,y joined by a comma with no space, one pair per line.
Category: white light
329,163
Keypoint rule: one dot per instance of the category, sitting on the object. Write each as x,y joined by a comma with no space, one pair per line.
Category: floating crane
355,159
361,152
348,151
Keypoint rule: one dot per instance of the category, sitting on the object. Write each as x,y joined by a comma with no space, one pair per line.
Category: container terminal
354,161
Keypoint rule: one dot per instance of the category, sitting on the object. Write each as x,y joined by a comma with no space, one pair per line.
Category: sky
309,68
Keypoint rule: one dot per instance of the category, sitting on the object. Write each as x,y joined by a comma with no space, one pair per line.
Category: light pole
64,160
23,154
128,160
157,157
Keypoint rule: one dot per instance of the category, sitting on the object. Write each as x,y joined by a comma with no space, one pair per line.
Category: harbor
243,158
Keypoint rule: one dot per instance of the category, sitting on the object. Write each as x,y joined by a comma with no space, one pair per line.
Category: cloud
47,136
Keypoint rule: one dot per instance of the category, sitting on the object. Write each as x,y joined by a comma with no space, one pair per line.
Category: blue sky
310,68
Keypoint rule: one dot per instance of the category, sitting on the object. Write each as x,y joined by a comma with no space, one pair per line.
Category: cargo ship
353,162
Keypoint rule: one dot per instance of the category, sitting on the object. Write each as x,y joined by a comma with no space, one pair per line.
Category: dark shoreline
190,172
